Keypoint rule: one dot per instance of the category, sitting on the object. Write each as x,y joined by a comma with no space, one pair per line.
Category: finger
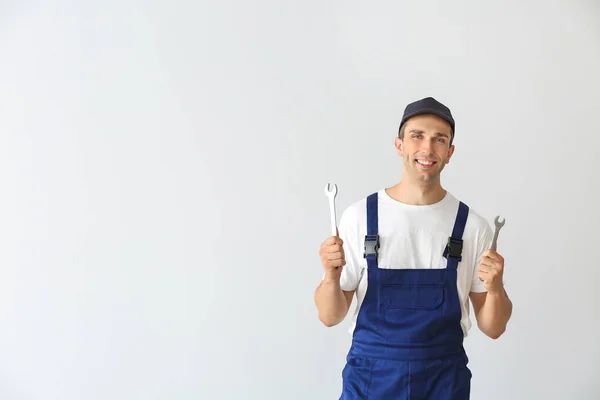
333,240
335,263
493,254
332,245
488,273
490,262
490,268
334,256
330,240
485,268
484,276
336,248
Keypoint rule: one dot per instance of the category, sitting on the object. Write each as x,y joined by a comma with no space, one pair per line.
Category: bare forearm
495,314
331,302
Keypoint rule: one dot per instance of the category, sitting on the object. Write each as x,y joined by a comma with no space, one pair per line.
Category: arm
494,308
333,296
332,302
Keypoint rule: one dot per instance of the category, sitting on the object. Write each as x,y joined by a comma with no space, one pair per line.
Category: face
425,148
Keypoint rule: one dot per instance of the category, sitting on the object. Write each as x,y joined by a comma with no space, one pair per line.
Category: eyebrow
436,134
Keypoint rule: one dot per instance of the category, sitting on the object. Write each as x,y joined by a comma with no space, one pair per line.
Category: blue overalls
408,340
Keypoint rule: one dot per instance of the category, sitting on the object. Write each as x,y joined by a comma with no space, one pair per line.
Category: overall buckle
454,248
371,245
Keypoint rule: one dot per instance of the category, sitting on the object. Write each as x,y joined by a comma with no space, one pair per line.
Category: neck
417,193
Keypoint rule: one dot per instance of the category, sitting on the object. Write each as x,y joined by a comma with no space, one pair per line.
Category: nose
427,146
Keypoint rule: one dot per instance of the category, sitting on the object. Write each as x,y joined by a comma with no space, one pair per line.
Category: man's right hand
332,257
332,302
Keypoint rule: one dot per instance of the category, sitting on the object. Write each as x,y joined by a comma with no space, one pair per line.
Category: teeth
425,162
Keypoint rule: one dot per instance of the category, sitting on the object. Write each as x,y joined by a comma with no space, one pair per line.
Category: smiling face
425,147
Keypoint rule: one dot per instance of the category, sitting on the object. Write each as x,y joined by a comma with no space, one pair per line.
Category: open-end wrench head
499,224
331,189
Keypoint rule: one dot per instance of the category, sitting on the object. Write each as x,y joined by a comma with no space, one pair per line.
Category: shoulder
353,215
477,221
474,218
358,208
477,226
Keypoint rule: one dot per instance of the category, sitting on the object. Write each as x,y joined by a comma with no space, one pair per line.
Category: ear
399,145
450,152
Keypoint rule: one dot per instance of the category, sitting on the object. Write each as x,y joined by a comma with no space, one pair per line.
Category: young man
413,254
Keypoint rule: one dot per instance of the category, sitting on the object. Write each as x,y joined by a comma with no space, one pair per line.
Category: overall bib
408,340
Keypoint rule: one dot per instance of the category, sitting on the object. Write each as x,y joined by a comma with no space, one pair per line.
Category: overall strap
453,250
372,237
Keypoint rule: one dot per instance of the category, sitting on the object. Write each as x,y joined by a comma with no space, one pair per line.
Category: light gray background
162,175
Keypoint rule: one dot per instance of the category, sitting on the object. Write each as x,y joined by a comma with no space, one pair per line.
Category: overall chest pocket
411,313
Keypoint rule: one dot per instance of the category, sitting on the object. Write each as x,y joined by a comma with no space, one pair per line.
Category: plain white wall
162,173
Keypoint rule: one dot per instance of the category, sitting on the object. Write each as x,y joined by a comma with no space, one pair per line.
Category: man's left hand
491,270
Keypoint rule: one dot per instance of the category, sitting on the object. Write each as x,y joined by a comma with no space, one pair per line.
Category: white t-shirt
413,236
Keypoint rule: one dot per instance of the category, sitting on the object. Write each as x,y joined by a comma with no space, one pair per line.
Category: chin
428,177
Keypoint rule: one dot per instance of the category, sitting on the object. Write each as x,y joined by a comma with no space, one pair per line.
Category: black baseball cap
428,105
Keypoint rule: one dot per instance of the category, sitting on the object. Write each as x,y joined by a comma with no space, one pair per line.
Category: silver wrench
331,192
498,226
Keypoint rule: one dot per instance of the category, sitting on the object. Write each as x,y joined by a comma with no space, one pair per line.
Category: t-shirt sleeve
349,232
483,244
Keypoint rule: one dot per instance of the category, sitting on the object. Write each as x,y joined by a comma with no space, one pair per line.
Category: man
413,254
